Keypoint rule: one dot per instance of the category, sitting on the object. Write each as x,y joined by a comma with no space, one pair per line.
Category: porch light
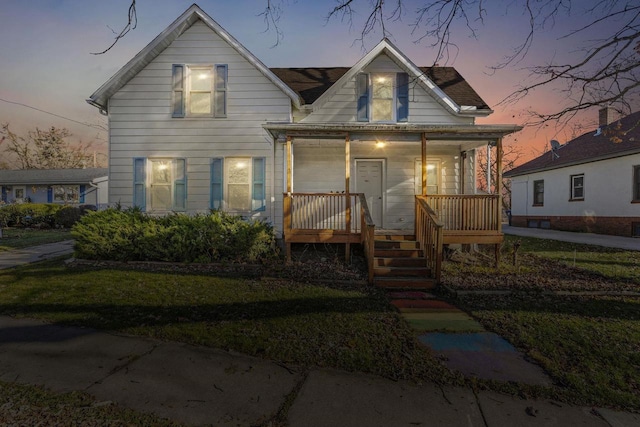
380,144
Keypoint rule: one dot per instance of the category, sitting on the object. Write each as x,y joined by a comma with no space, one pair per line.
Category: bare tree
606,71
45,149
511,155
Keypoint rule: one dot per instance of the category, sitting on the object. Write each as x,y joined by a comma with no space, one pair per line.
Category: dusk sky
46,61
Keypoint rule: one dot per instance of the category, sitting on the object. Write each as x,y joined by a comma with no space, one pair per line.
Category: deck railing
323,211
464,212
429,234
368,228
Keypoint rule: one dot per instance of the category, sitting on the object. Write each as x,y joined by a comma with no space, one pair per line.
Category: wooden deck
440,220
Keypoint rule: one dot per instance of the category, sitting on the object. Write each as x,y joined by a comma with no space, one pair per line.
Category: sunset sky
46,62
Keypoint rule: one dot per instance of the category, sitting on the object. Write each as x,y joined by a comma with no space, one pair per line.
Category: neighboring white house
197,122
64,186
591,183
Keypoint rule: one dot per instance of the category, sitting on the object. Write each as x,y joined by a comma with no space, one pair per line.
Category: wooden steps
400,264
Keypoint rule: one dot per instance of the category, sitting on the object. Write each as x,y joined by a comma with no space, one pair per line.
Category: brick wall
613,225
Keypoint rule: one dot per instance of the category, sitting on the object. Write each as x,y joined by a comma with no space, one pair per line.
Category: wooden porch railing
429,234
463,212
322,218
368,228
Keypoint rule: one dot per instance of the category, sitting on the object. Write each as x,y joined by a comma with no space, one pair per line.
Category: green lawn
16,238
588,343
294,323
612,263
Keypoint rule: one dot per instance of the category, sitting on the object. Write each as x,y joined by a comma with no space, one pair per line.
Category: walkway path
16,257
198,385
628,243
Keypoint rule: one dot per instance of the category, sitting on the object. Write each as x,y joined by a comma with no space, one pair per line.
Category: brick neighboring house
590,184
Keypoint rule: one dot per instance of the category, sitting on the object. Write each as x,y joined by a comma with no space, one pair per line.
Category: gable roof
50,176
311,83
420,77
163,40
589,147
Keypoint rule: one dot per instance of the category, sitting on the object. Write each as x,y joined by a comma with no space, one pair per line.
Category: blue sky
46,61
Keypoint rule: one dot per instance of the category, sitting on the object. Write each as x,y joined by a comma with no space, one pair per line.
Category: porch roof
280,130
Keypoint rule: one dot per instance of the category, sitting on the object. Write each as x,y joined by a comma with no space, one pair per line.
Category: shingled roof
620,138
50,176
311,83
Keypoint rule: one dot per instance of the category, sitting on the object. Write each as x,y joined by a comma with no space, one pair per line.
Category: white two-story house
197,122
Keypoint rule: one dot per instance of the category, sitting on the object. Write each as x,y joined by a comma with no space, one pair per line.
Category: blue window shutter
217,170
257,189
83,189
362,88
178,92
4,194
49,194
180,185
139,185
402,97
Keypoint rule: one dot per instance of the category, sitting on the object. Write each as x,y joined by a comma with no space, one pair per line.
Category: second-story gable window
382,97
199,90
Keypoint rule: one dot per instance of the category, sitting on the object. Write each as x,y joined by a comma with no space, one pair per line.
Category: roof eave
167,36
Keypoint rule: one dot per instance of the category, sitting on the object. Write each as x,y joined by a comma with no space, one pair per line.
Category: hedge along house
64,186
589,184
197,122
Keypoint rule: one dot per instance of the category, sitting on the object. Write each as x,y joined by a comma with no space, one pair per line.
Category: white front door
370,181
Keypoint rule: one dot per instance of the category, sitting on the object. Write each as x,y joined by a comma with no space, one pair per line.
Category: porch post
287,198
463,169
499,192
347,179
424,164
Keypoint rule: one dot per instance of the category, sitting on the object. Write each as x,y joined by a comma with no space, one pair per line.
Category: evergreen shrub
131,235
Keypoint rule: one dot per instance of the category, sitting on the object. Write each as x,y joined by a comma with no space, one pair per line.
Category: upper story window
383,97
199,90
636,183
577,187
538,192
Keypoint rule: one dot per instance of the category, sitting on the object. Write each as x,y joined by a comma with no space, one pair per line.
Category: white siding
607,190
141,124
423,108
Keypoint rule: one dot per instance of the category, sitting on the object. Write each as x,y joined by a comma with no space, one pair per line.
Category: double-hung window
577,187
238,184
66,194
538,192
160,184
199,90
382,97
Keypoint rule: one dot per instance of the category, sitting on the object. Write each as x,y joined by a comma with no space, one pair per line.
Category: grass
589,344
285,321
616,264
16,238
23,405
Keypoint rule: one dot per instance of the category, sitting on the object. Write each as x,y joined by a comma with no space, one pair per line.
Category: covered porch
344,182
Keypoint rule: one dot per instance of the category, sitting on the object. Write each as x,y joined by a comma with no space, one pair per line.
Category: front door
370,181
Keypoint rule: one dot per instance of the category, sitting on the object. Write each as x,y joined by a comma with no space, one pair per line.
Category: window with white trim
66,193
160,184
577,187
199,90
433,176
238,184
538,192
382,97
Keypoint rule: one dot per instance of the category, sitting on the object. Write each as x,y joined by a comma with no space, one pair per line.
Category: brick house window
577,187
636,183
538,192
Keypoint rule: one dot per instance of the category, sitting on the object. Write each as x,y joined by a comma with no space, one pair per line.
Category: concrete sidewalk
627,243
198,385
16,257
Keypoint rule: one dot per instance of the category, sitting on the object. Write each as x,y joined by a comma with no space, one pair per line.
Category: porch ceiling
392,132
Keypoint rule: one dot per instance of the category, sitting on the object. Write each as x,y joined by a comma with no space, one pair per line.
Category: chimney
605,116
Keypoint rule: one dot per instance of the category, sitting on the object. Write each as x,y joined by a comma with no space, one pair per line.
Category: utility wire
54,114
